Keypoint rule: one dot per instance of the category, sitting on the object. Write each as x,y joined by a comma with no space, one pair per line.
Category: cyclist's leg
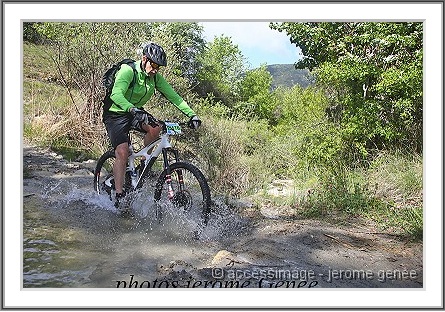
121,152
118,126
151,134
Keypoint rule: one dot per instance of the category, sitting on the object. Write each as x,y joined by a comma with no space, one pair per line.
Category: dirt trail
74,239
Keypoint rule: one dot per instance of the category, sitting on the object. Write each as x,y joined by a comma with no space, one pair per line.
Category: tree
30,33
183,43
221,67
373,74
255,94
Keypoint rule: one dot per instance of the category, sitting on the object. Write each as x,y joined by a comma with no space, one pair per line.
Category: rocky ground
76,241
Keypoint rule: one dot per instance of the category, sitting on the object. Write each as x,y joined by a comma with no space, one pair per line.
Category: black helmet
155,53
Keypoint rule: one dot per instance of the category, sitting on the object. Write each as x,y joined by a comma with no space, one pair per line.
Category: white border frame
429,296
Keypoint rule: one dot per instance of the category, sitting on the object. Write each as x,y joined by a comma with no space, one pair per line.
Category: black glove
194,122
143,117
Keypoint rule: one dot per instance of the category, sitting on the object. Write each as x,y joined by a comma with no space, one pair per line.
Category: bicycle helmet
155,53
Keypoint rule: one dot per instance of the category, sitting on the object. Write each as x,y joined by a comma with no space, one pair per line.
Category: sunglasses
154,65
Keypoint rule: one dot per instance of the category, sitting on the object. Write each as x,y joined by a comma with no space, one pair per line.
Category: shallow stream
76,238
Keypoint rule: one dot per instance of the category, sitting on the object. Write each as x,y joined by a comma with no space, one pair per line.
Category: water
74,237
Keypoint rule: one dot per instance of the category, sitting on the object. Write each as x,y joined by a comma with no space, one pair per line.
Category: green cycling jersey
124,98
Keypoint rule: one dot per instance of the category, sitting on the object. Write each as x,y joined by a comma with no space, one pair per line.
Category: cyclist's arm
124,76
166,89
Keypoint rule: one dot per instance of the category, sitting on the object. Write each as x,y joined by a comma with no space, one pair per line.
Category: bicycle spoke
186,191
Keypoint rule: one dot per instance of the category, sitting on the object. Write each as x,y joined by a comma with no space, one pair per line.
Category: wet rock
225,258
239,203
180,277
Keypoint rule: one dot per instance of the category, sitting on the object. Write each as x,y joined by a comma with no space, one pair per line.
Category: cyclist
126,111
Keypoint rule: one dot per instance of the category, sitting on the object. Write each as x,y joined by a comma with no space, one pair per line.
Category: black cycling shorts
119,125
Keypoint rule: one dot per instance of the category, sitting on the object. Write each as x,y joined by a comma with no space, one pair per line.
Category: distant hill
287,76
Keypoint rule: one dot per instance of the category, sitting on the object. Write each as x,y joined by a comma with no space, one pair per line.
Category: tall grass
52,116
398,181
51,119
398,178
388,193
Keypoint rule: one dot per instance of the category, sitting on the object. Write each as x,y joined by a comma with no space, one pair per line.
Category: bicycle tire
196,194
103,170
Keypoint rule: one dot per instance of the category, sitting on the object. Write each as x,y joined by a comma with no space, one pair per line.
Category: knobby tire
200,196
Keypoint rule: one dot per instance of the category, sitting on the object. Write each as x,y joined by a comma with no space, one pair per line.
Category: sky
257,42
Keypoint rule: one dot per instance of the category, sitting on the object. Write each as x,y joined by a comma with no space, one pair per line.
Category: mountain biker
126,112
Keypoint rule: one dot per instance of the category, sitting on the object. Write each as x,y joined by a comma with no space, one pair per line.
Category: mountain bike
179,183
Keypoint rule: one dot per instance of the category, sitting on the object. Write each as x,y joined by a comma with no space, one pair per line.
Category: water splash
162,218
97,245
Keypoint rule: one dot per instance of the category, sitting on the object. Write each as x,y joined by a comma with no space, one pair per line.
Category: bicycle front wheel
186,189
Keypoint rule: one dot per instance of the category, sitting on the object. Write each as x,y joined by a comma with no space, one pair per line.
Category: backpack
108,81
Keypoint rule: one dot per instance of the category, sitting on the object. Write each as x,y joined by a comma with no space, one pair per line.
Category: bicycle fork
168,178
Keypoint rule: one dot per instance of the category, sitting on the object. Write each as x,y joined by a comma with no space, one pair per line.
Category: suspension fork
168,177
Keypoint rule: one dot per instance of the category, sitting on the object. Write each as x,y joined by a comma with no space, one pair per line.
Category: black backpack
108,81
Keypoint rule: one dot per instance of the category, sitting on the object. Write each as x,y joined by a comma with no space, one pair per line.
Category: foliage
339,191
372,73
183,43
255,99
221,67
301,120
405,221
299,107
344,195
221,150
210,106
398,178
30,33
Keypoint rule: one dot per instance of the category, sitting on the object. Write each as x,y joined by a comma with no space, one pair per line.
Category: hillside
286,75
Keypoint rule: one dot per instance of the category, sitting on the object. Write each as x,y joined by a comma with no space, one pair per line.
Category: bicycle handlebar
152,121
162,123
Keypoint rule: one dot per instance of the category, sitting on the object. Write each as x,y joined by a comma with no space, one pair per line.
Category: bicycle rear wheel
103,175
189,191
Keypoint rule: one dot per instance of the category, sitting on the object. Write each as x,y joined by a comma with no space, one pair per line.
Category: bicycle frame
162,147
